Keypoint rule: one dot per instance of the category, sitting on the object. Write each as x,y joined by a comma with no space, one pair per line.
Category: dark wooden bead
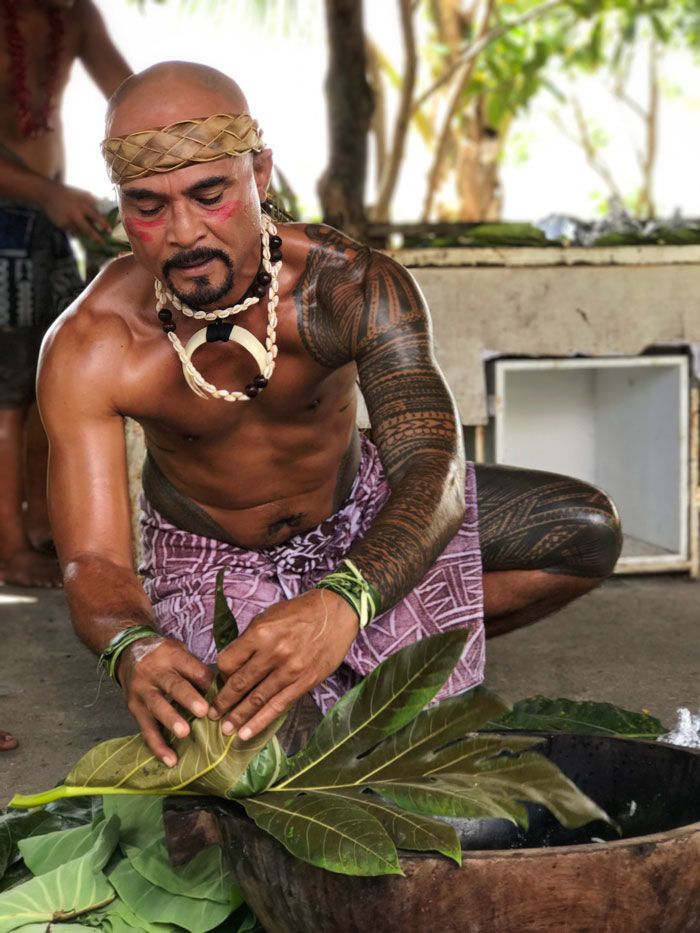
260,381
275,255
264,278
275,242
165,315
260,291
251,390
168,328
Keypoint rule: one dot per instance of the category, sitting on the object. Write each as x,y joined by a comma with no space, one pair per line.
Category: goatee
202,293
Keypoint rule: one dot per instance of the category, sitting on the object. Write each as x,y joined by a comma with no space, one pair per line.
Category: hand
285,651
75,211
153,671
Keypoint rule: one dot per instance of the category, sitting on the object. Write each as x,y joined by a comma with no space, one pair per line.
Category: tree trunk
349,98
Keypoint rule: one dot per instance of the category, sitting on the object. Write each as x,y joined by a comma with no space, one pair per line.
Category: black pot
512,881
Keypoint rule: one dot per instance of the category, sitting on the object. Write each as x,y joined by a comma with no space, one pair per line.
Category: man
39,41
255,464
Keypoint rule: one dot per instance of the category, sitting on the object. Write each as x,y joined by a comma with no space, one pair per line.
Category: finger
183,692
83,225
152,735
167,715
194,671
240,683
94,215
272,710
235,656
256,701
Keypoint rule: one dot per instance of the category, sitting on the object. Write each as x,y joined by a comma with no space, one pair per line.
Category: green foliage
376,748
540,714
376,772
65,892
209,762
225,627
100,889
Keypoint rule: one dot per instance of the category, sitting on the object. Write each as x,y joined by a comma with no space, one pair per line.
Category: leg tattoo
532,520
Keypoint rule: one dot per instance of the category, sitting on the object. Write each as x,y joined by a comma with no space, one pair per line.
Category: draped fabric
38,279
180,568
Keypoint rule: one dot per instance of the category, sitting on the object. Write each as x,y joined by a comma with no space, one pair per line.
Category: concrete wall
552,302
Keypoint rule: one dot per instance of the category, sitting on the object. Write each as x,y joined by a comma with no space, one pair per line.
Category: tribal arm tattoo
355,304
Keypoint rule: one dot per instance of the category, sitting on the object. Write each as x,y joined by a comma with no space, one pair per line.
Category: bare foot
28,568
7,741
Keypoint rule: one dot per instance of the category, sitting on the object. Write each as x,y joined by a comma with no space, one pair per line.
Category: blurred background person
39,42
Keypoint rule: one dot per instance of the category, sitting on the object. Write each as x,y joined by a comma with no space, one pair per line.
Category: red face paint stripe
143,224
227,210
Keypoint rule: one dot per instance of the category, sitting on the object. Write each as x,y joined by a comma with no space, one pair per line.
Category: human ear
262,170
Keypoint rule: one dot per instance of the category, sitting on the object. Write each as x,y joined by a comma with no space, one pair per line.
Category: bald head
169,92
173,115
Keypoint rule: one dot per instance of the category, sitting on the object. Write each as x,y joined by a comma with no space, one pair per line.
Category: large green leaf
205,877
411,831
326,830
140,820
225,627
44,853
267,767
414,746
540,714
66,892
64,928
483,782
209,762
380,705
117,917
16,826
157,905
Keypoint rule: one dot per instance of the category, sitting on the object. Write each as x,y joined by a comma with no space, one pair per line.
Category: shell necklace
265,356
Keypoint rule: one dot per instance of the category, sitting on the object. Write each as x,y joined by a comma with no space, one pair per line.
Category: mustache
193,257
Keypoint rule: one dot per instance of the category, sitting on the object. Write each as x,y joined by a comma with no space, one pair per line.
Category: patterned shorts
38,279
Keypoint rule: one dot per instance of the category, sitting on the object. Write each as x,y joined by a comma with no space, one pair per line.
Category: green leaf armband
120,642
355,590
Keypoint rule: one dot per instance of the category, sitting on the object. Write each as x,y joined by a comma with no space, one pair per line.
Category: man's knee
533,520
599,540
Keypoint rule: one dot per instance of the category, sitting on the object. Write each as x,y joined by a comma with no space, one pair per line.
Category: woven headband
168,148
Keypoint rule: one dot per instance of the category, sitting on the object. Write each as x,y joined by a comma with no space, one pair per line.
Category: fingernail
213,713
199,709
169,761
180,729
245,733
228,728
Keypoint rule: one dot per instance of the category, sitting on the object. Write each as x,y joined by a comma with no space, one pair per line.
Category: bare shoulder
348,295
86,344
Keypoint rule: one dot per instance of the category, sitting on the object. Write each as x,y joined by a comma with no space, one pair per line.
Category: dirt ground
634,642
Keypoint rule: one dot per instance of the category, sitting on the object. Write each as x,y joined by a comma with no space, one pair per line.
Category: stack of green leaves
112,873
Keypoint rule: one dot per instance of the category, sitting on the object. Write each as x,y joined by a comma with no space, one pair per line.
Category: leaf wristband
351,586
121,641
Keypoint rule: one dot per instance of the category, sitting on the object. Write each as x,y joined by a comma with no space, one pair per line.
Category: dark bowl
544,879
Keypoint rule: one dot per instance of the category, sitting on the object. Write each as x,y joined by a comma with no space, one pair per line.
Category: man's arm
71,209
362,306
102,59
90,518
414,425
